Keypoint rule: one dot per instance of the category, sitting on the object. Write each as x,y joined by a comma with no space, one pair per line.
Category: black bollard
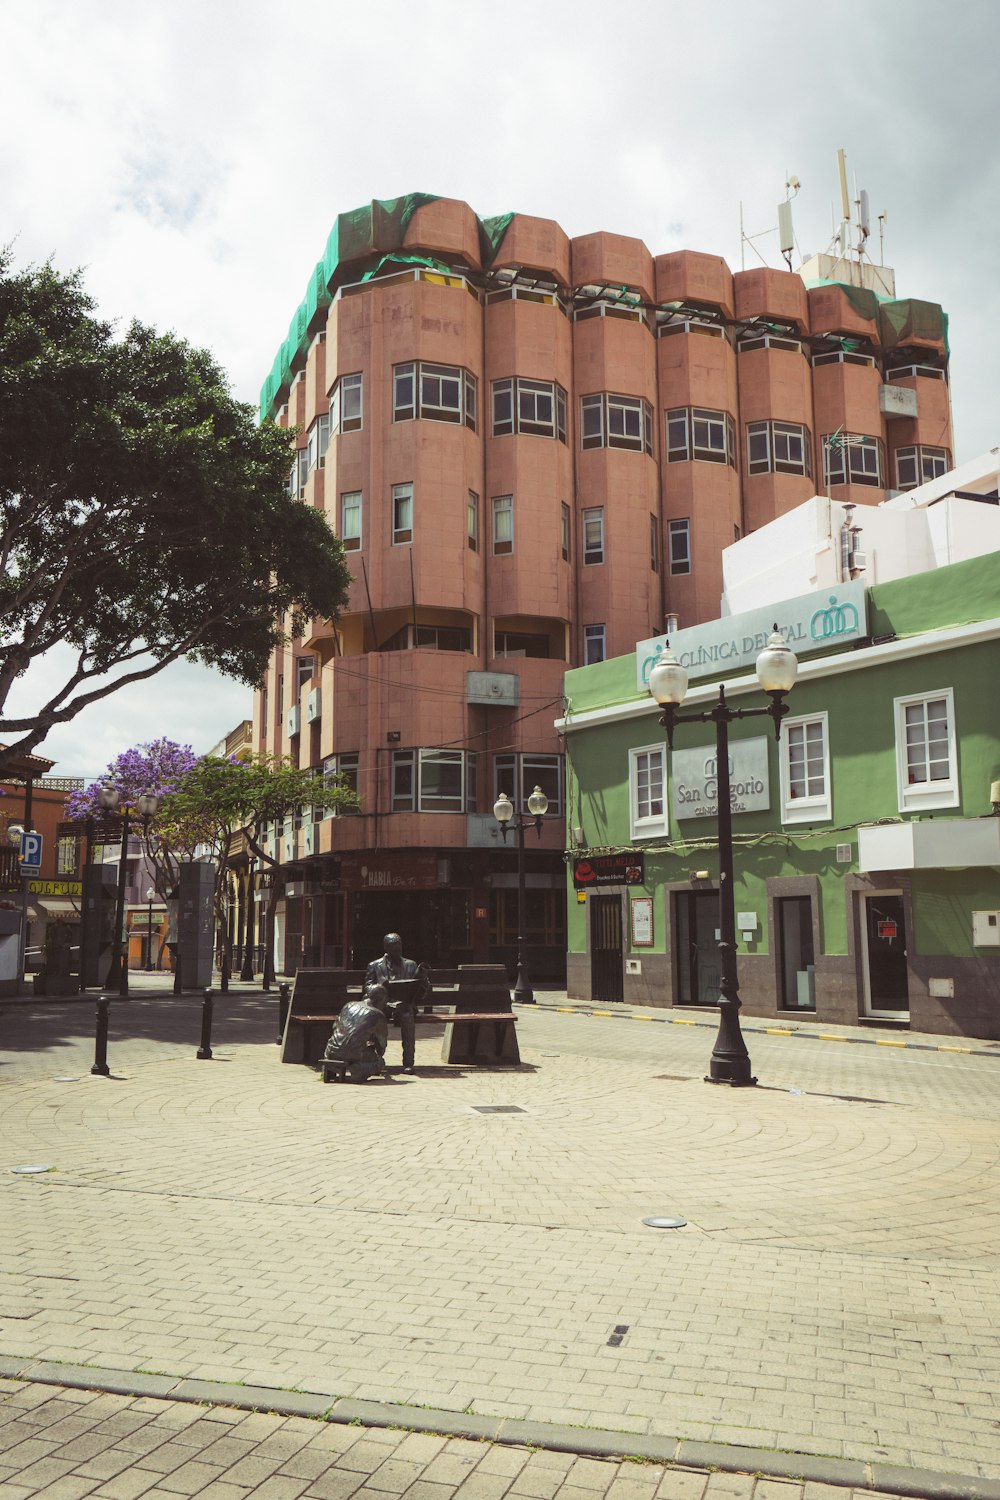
205,1050
101,1038
284,1000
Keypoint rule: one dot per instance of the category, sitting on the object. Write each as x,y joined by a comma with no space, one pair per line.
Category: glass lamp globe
146,804
108,796
14,832
503,808
538,803
668,681
777,665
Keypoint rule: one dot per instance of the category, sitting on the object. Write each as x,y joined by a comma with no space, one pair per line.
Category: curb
887,1479
813,1036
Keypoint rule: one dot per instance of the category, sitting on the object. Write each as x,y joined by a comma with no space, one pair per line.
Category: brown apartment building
535,448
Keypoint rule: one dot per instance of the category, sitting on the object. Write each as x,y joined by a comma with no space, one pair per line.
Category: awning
934,844
53,906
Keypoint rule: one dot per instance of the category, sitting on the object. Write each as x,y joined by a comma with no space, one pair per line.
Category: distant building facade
534,448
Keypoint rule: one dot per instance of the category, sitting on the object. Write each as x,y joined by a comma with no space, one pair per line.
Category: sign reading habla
812,622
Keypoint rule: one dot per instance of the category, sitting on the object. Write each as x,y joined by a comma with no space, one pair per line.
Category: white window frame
591,635
678,566
416,760
927,795
592,516
472,521
810,809
352,542
566,534
503,505
319,440
347,764
527,769
647,825
623,421
425,381
347,385
402,536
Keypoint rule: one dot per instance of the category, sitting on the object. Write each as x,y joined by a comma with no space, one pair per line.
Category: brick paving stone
680,1484
69,1487
278,1487
128,1485
336,1484
591,1473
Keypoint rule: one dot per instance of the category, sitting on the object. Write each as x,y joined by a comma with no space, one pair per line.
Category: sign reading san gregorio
813,622
694,787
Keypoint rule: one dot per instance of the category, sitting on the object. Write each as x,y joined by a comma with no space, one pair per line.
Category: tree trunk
277,887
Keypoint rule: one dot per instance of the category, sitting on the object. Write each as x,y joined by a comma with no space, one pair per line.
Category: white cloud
194,155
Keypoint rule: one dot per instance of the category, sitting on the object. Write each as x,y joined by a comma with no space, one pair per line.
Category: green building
866,841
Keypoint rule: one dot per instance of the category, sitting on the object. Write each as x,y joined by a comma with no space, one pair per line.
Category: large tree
144,515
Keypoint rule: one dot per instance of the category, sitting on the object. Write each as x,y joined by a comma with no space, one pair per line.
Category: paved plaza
471,1241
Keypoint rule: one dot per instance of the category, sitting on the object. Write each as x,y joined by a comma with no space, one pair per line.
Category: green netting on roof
377,229
407,260
912,321
491,236
902,320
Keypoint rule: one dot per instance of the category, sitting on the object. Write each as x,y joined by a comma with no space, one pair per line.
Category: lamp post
145,806
776,670
150,893
503,811
14,832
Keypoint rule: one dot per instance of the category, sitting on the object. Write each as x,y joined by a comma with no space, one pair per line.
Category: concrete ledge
594,1442
415,1418
886,1479
89,1378
731,1457
930,1484
252,1397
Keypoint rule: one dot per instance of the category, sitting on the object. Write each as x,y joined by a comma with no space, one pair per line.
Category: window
852,458
805,770
281,697
679,542
305,667
654,543
67,854
593,534
473,521
778,447
769,341
345,405
926,756
402,514
610,421
594,644
534,407
438,393
350,520
528,771
345,767
434,637
503,524
793,919
917,465
299,474
647,780
695,432
433,781
520,643
566,531
319,438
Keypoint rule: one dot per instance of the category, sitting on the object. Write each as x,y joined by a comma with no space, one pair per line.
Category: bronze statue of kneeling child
360,1035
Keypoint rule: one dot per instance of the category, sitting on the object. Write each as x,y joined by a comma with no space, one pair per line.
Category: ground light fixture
503,811
777,667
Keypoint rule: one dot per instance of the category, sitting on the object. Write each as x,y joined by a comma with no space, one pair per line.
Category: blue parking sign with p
31,853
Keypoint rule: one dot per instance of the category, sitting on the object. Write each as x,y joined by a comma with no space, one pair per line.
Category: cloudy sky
192,154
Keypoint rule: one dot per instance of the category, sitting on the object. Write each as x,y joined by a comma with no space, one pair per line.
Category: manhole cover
27,1171
665,1221
498,1109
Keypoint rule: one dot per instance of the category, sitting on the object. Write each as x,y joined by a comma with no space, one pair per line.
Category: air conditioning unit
314,702
292,720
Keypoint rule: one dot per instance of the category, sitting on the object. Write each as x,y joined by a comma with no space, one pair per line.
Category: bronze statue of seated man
360,1035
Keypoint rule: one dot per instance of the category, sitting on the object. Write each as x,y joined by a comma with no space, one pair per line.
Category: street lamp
776,671
150,893
145,806
503,811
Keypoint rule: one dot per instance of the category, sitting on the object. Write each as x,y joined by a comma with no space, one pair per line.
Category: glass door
795,953
887,991
696,948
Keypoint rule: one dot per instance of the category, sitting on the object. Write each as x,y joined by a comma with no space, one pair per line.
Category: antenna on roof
786,234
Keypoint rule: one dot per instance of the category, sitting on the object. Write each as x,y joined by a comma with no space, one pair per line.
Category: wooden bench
479,994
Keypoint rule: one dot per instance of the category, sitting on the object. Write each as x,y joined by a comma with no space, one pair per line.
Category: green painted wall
861,723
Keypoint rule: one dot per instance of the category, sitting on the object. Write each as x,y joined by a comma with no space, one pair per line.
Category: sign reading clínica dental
813,622
694,785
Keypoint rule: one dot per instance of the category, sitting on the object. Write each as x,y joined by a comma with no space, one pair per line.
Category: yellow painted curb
609,1013
826,1036
954,1049
677,1021
778,1031
883,1042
